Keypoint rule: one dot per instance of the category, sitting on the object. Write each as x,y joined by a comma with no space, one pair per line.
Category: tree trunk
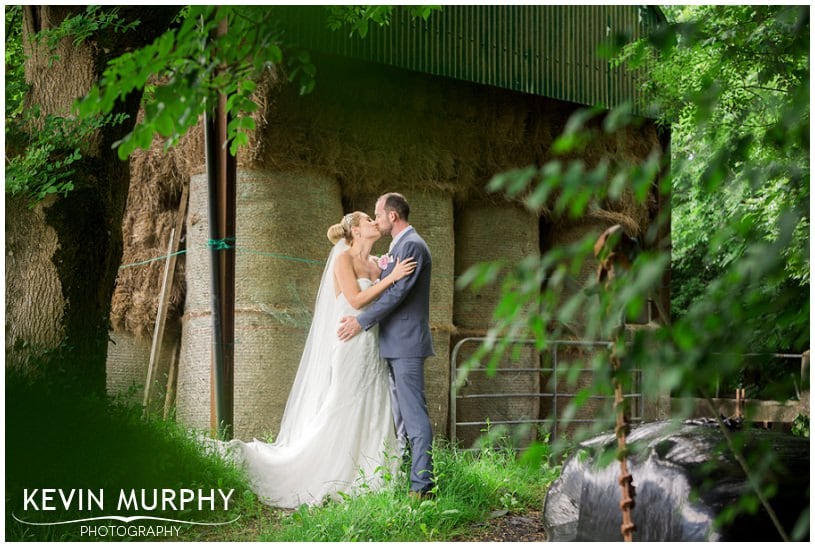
62,255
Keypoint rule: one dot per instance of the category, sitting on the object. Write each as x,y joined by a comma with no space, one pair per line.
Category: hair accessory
346,221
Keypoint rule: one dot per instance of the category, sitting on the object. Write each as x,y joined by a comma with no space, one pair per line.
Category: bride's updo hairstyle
342,230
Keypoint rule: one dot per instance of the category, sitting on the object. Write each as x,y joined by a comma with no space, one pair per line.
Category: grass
470,485
60,440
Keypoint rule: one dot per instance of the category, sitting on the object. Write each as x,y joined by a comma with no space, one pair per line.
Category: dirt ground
501,526
507,527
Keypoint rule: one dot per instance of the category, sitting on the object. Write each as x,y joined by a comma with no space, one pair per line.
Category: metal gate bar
555,394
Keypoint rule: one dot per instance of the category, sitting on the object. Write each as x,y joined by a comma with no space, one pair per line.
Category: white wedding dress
337,433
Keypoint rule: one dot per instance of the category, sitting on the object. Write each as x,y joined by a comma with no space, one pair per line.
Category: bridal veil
314,373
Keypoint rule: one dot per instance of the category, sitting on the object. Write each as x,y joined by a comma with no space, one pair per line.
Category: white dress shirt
398,237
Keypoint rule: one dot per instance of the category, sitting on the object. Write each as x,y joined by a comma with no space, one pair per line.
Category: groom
403,314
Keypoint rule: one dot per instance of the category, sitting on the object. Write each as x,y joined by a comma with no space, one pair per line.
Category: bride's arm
347,280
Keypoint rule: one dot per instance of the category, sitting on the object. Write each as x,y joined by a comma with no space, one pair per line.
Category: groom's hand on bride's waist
349,327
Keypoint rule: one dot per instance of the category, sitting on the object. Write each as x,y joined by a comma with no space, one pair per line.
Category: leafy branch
51,153
187,67
50,146
358,18
82,26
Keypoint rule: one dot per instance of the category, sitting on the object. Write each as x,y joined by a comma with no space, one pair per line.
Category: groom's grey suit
403,314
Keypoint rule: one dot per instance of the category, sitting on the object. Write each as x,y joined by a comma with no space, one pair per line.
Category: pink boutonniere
384,260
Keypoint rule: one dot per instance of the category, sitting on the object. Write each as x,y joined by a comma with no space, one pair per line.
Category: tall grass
60,439
469,487
57,438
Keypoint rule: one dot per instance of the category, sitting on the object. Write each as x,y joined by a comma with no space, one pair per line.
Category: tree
758,73
734,83
63,252
736,87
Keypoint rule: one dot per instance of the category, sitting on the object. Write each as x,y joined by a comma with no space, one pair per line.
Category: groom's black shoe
421,496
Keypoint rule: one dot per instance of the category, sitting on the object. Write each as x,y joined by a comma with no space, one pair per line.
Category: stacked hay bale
486,232
126,367
158,178
281,250
433,139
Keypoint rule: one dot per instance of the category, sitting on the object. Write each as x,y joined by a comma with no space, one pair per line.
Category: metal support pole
222,176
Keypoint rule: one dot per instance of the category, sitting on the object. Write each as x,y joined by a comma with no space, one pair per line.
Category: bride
337,432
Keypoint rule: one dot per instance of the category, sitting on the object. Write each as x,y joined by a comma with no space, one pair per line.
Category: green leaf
479,275
165,44
307,87
164,124
240,139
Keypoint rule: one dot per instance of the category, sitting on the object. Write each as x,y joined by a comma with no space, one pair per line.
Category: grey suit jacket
403,310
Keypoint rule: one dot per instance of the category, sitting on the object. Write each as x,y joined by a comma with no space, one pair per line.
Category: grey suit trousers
411,418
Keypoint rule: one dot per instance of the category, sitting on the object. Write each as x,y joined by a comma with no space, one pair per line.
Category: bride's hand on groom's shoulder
404,267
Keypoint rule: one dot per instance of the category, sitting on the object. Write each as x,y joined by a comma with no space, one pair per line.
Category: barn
430,109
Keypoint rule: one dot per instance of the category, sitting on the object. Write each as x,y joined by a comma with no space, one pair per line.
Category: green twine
222,244
284,257
227,243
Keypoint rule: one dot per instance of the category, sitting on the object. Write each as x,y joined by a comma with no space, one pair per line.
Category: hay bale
576,373
192,400
449,132
281,250
131,355
158,177
485,232
437,383
128,359
197,280
266,357
584,231
432,216
572,233
504,389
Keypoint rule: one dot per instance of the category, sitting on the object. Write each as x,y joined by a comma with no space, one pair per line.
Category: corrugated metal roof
543,50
